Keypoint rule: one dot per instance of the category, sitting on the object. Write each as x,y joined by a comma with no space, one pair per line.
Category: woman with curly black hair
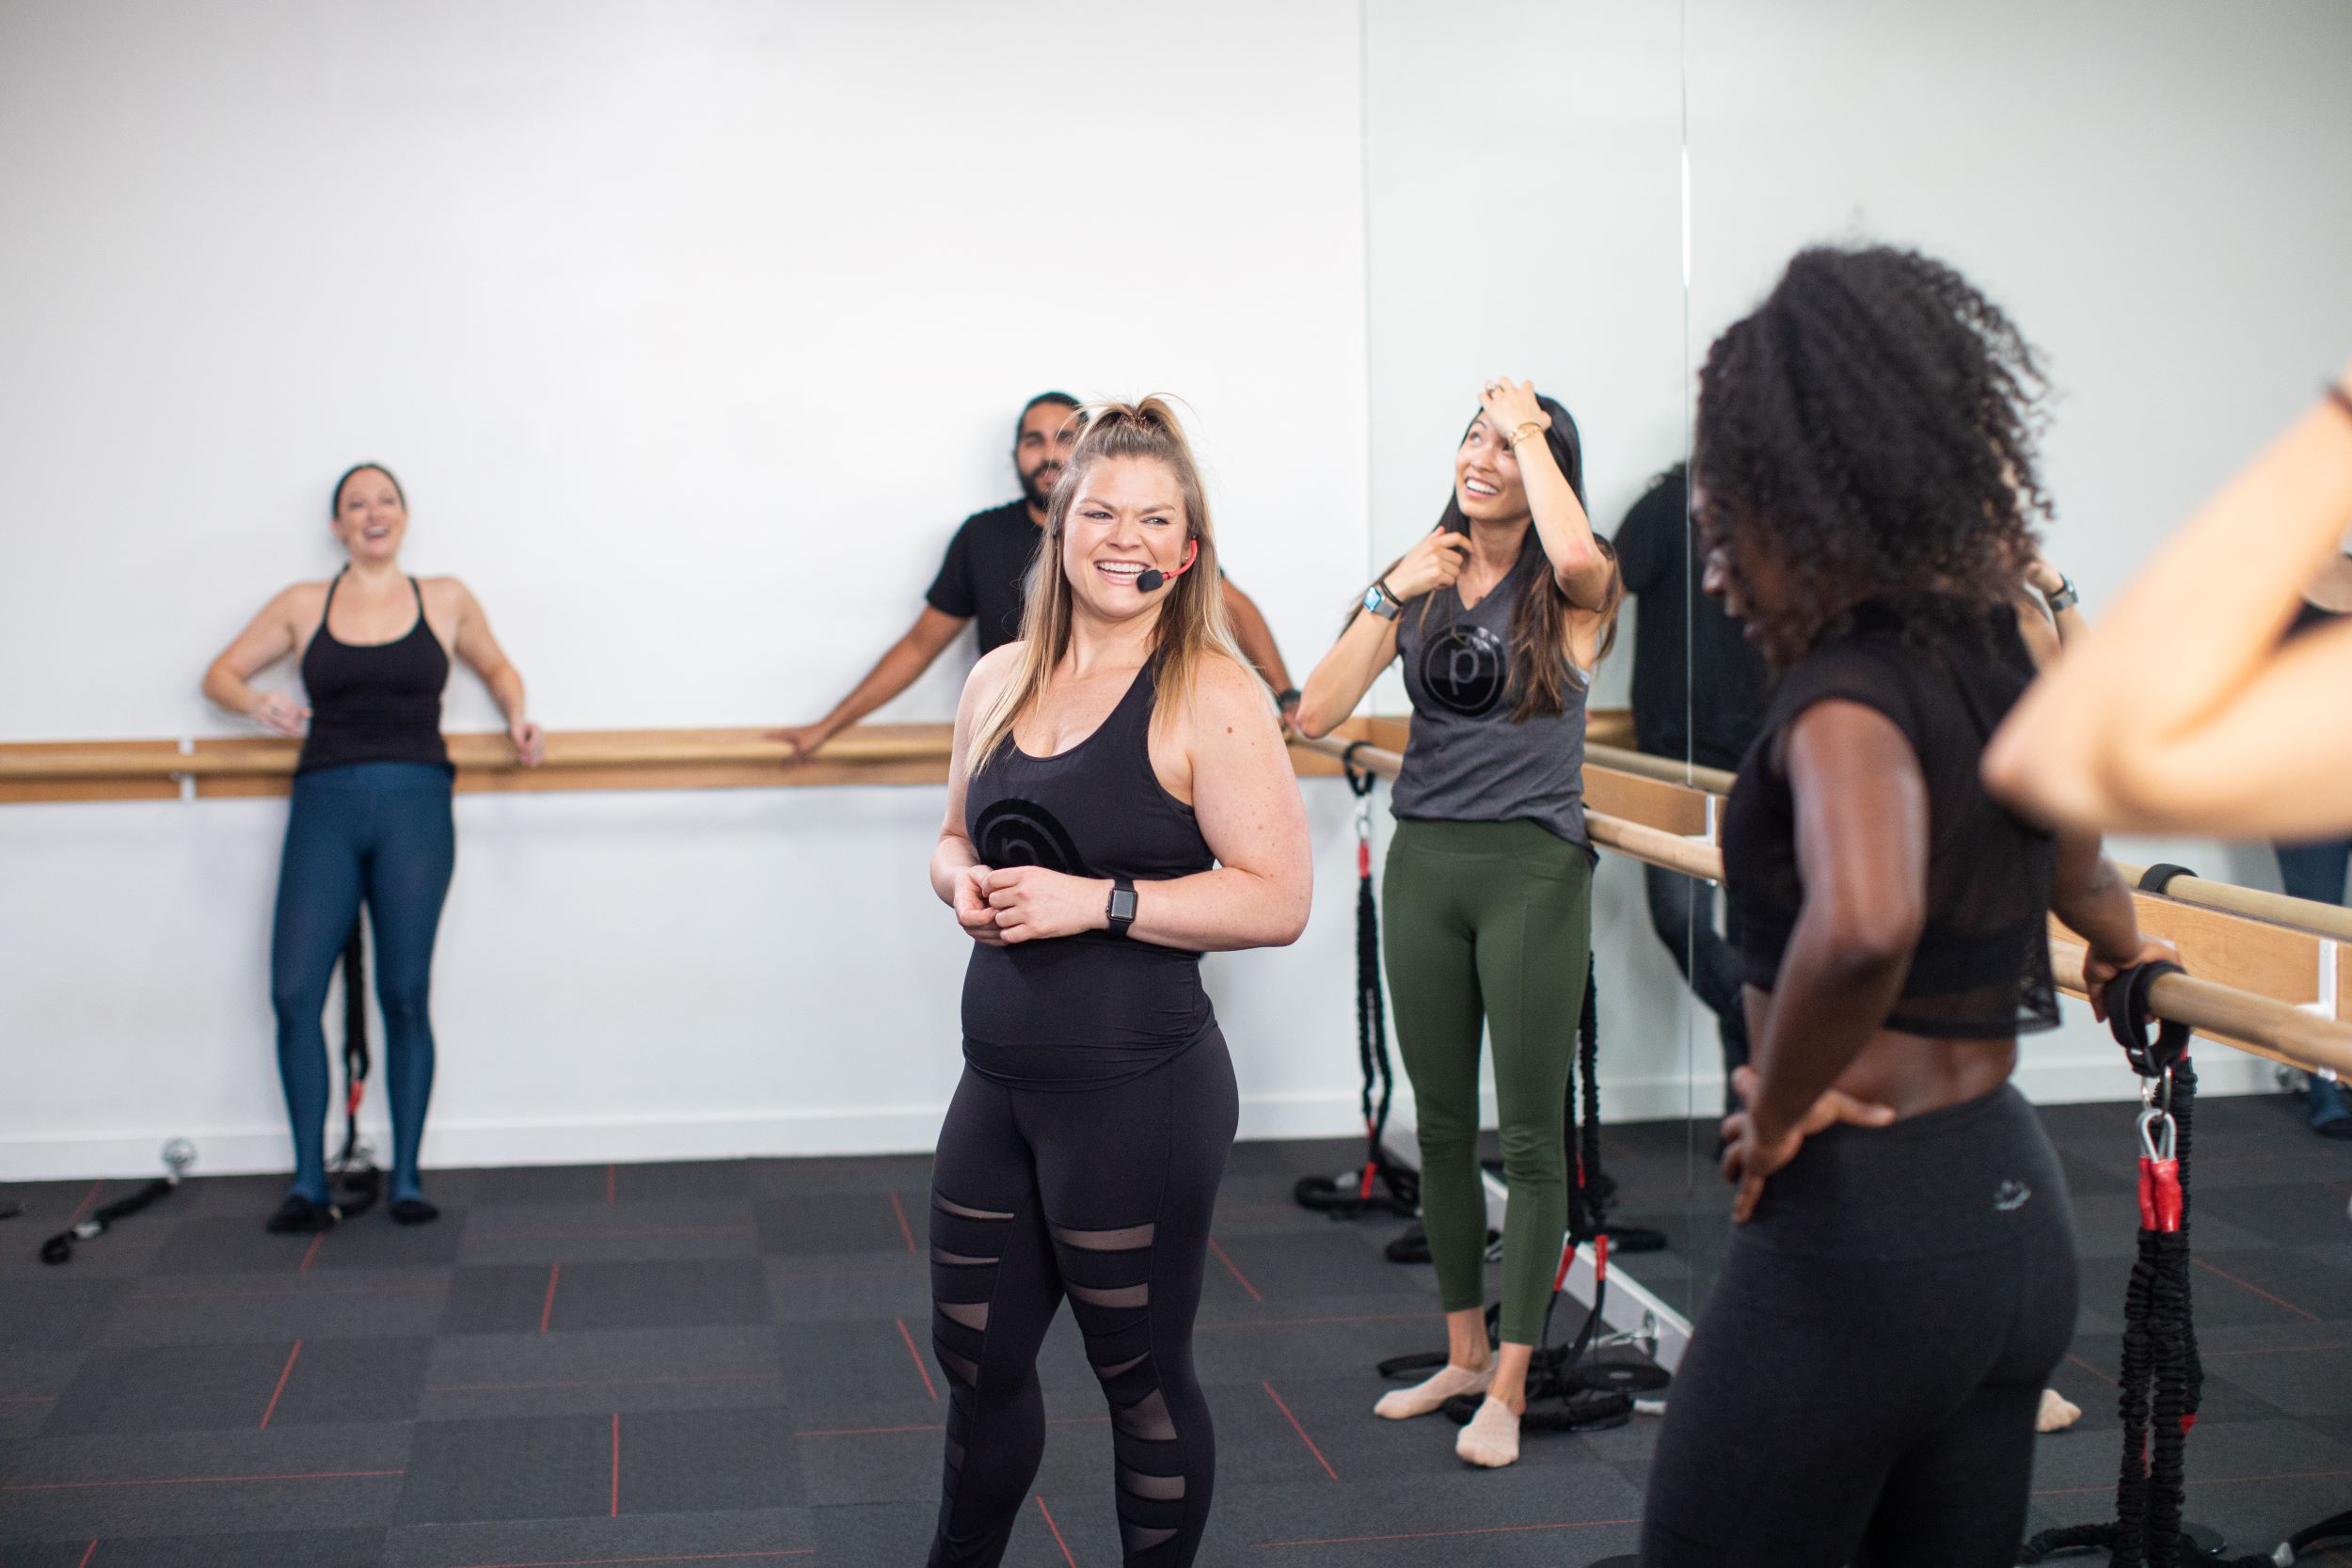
1861,1388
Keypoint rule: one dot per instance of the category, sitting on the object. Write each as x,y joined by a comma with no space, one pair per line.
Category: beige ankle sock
1400,1404
1493,1438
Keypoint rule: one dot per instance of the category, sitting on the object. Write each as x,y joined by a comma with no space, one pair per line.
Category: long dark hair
335,507
1539,615
1871,428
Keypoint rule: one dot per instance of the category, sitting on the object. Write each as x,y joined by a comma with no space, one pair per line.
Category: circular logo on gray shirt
1466,670
1022,832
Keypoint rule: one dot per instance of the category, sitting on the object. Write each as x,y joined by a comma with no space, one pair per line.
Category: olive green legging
1489,923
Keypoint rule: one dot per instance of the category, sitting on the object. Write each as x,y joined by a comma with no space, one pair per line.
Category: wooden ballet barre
2254,903
1715,781
2235,943
245,766
2255,1024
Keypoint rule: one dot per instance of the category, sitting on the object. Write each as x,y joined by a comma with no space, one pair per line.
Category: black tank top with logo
1095,1009
1467,759
374,702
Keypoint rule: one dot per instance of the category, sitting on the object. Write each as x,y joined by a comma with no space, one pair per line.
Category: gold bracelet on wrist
1526,428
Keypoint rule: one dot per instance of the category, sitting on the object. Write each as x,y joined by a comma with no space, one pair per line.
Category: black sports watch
1121,908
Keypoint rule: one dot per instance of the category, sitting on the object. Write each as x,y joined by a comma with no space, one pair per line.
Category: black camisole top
1095,1009
374,702
1982,965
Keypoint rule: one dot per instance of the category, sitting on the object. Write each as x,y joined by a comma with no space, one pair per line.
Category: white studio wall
2156,194
692,331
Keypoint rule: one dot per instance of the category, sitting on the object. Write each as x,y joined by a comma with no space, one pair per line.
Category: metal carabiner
2150,1145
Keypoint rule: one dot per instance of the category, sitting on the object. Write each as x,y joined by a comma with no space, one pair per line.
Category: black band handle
1359,780
2161,875
2129,1018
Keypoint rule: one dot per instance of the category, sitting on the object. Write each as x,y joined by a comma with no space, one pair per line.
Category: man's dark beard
1037,487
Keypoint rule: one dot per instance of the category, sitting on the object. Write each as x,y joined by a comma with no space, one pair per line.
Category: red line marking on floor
928,1386
547,1310
905,1230
2208,1481
196,1481
1300,1430
1442,1534
611,1178
1057,1529
30,1398
690,1556
2092,1370
284,1374
2248,1285
87,1198
2267,1349
87,1554
601,1383
312,1251
1234,1272
616,1464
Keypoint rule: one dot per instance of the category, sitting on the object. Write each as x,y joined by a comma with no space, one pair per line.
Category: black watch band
1288,695
1121,908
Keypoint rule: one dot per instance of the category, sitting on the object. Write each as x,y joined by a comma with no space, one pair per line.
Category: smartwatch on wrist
1379,601
1121,908
2064,598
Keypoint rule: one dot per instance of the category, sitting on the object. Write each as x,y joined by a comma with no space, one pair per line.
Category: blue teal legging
378,831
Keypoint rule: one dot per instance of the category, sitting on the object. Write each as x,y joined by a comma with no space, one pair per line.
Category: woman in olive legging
1500,614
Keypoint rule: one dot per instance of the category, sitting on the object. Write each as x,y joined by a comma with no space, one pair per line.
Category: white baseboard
889,1130
914,1128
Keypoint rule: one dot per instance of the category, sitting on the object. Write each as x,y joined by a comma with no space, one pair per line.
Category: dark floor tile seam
2207,1480
601,1382
1447,1535
194,1480
1422,1316
687,1556
475,1237
939,1426
289,1291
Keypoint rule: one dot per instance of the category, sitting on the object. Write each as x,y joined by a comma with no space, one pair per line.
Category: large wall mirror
1524,220
2160,199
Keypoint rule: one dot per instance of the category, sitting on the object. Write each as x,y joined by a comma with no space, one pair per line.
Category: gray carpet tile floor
728,1362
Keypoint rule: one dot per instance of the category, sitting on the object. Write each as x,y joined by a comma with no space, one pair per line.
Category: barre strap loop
2129,1018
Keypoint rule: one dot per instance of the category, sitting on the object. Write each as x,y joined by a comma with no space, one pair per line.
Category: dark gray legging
1682,912
1104,1196
1861,1385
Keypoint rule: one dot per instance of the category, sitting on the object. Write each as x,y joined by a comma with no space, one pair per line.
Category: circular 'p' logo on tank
1466,670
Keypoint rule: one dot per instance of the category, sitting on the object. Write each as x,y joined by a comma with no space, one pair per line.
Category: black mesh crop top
1982,965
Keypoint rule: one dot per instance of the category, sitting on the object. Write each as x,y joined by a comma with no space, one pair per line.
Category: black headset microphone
1152,580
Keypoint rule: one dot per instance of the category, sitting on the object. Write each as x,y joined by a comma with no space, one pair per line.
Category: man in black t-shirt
1698,697
985,576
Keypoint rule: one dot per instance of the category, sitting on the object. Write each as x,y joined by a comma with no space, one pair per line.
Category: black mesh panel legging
1105,1195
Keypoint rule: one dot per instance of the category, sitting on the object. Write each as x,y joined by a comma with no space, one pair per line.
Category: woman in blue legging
371,816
